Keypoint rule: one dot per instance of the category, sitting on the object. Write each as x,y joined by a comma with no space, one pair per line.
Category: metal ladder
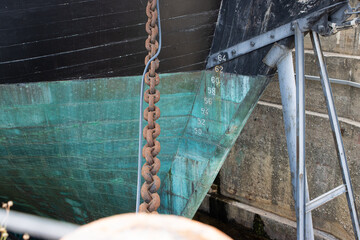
304,207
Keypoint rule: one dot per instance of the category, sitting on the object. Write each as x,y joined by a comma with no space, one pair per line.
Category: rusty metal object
151,114
146,226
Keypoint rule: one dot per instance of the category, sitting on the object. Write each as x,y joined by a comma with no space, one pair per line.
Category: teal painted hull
68,149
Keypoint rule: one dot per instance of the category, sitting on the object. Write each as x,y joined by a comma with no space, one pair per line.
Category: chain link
151,115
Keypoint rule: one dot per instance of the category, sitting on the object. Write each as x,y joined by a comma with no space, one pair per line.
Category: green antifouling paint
68,149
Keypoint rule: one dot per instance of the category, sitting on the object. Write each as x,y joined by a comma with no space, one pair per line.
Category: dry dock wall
256,172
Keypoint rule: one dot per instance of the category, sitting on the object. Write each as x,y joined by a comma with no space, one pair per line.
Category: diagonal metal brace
272,36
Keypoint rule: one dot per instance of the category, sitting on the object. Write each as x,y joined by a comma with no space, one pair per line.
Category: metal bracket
267,38
334,28
250,45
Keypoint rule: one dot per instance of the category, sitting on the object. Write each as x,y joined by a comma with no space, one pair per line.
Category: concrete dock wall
256,172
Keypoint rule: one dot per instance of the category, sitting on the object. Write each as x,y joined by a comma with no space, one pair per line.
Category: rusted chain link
151,115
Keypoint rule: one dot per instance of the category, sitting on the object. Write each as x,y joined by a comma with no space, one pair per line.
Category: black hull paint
257,17
51,40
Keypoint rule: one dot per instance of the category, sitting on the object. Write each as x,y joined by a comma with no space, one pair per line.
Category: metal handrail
334,80
36,226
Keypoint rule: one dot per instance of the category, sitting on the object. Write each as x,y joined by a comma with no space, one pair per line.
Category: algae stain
80,215
239,157
259,227
118,180
72,202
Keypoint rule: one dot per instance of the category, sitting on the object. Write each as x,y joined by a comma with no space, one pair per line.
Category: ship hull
69,95
68,149
63,40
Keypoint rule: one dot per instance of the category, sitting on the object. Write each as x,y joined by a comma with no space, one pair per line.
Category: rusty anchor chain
151,115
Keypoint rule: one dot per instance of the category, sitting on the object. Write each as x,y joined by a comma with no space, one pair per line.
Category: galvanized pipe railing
281,57
336,132
300,125
36,226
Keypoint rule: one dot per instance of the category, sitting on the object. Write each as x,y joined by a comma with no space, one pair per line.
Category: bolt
272,36
233,52
252,44
321,28
292,26
215,59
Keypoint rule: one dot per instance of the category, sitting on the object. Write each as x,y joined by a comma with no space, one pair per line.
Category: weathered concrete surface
249,217
345,67
257,172
346,42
